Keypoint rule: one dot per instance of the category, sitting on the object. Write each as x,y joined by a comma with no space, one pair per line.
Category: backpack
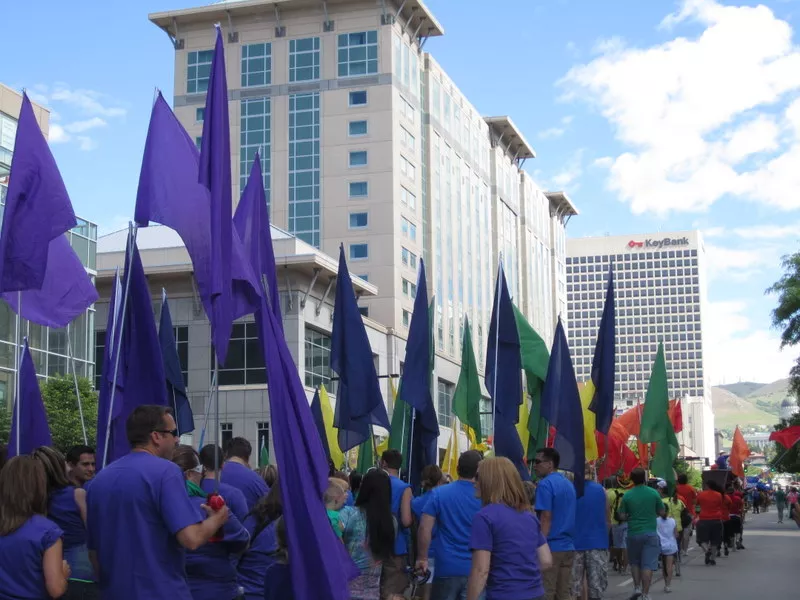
615,510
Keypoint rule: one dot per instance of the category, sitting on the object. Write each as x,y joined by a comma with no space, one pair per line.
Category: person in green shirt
780,503
640,507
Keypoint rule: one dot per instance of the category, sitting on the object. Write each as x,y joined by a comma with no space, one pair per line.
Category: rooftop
562,204
511,137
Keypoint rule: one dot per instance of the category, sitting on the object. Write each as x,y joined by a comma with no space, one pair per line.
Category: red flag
676,415
786,437
739,453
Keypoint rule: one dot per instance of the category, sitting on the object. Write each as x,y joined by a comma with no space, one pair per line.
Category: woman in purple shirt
261,523
32,565
210,570
67,509
509,551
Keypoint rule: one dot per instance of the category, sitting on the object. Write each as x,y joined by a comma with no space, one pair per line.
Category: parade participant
81,465
369,533
394,579
780,503
619,528
234,498
31,550
270,475
355,484
641,507
345,479
737,513
140,517
667,527
237,472
261,523
334,498
592,524
727,535
67,509
509,550
675,507
432,478
451,509
210,569
687,495
278,579
555,504
709,524
792,499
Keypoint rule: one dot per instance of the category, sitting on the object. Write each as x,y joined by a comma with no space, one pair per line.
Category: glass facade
255,137
444,402
304,59
358,54
198,71
244,364
304,167
256,65
8,132
318,359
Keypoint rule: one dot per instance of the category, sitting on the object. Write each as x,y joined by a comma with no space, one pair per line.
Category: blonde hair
335,491
499,482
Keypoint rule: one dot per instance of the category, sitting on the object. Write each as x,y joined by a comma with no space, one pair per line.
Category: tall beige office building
367,142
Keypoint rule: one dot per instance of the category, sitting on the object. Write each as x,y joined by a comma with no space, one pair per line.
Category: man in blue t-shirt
451,508
592,526
555,504
394,579
140,517
237,472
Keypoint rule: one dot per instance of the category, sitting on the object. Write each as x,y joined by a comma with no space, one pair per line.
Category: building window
407,110
99,350
198,71
408,228
256,65
359,220
358,98
181,334
409,258
263,438
226,433
318,358
198,141
359,251
304,59
244,364
304,167
200,114
357,128
358,158
406,318
409,289
407,198
358,53
444,402
364,310
255,136
364,276
407,168
486,415
407,138
359,189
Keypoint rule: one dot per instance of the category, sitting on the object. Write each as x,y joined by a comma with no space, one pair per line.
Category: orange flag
676,415
739,453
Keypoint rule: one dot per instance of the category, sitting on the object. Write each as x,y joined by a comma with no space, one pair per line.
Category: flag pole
411,442
207,413
215,398
174,400
18,362
132,231
496,348
71,357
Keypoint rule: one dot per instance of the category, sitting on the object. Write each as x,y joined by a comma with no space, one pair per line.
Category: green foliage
786,461
786,315
694,476
63,416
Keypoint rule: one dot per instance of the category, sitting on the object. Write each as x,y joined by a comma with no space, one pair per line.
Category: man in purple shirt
211,458
140,517
237,472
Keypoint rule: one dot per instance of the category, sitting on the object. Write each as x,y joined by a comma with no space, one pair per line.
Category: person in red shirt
709,525
737,515
727,535
688,495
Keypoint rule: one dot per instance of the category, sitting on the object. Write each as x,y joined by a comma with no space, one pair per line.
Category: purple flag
215,174
170,194
37,210
106,376
33,430
141,369
67,290
252,225
319,570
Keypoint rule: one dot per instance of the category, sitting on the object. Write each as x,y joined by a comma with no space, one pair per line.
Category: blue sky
651,115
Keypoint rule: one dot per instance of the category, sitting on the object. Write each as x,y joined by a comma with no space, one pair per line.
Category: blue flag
106,375
170,194
561,406
37,211
29,430
319,422
603,363
141,370
415,386
252,225
176,388
359,403
503,354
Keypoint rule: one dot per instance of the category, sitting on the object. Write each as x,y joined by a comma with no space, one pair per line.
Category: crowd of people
147,527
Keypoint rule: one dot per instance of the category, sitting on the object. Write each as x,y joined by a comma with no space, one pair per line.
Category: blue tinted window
358,220
358,158
359,251
358,98
357,128
358,189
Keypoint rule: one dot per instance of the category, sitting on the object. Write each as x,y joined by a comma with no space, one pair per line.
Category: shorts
709,532
735,525
619,534
643,551
595,564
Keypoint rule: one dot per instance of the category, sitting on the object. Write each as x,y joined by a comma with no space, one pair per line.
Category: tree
63,416
683,467
786,315
787,461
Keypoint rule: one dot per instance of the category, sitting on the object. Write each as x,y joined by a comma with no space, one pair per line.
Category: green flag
535,358
401,424
656,425
467,396
366,456
263,458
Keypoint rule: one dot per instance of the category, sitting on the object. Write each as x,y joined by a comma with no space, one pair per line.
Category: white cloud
738,264
712,232
89,102
696,114
735,350
551,133
81,126
57,135
568,177
604,162
86,143
768,232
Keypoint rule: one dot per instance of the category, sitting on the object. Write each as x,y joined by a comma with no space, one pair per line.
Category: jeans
449,588
81,590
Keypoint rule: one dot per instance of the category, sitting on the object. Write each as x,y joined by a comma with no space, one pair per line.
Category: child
278,580
668,536
334,498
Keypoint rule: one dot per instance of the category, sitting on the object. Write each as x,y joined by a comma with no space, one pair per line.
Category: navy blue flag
503,354
359,403
29,428
319,422
176,387
141,369
603,363
561,406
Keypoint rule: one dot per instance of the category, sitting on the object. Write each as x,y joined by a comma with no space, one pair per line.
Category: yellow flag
522,424
330,431
450,462
473,439
589,421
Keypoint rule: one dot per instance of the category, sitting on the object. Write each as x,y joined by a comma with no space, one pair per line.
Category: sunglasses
172,432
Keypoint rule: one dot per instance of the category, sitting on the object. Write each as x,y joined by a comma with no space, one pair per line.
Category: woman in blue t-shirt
261,523
509,551
210,570
67,509
32,565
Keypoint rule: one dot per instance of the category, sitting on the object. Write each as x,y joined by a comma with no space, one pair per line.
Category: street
768,568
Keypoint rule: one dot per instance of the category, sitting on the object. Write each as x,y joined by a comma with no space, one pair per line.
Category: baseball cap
661,484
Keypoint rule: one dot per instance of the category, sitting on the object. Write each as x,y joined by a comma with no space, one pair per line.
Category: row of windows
304,167
409,258
408,228
357,55
690,264
626,258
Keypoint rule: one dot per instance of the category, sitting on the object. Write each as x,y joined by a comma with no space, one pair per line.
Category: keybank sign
659,244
